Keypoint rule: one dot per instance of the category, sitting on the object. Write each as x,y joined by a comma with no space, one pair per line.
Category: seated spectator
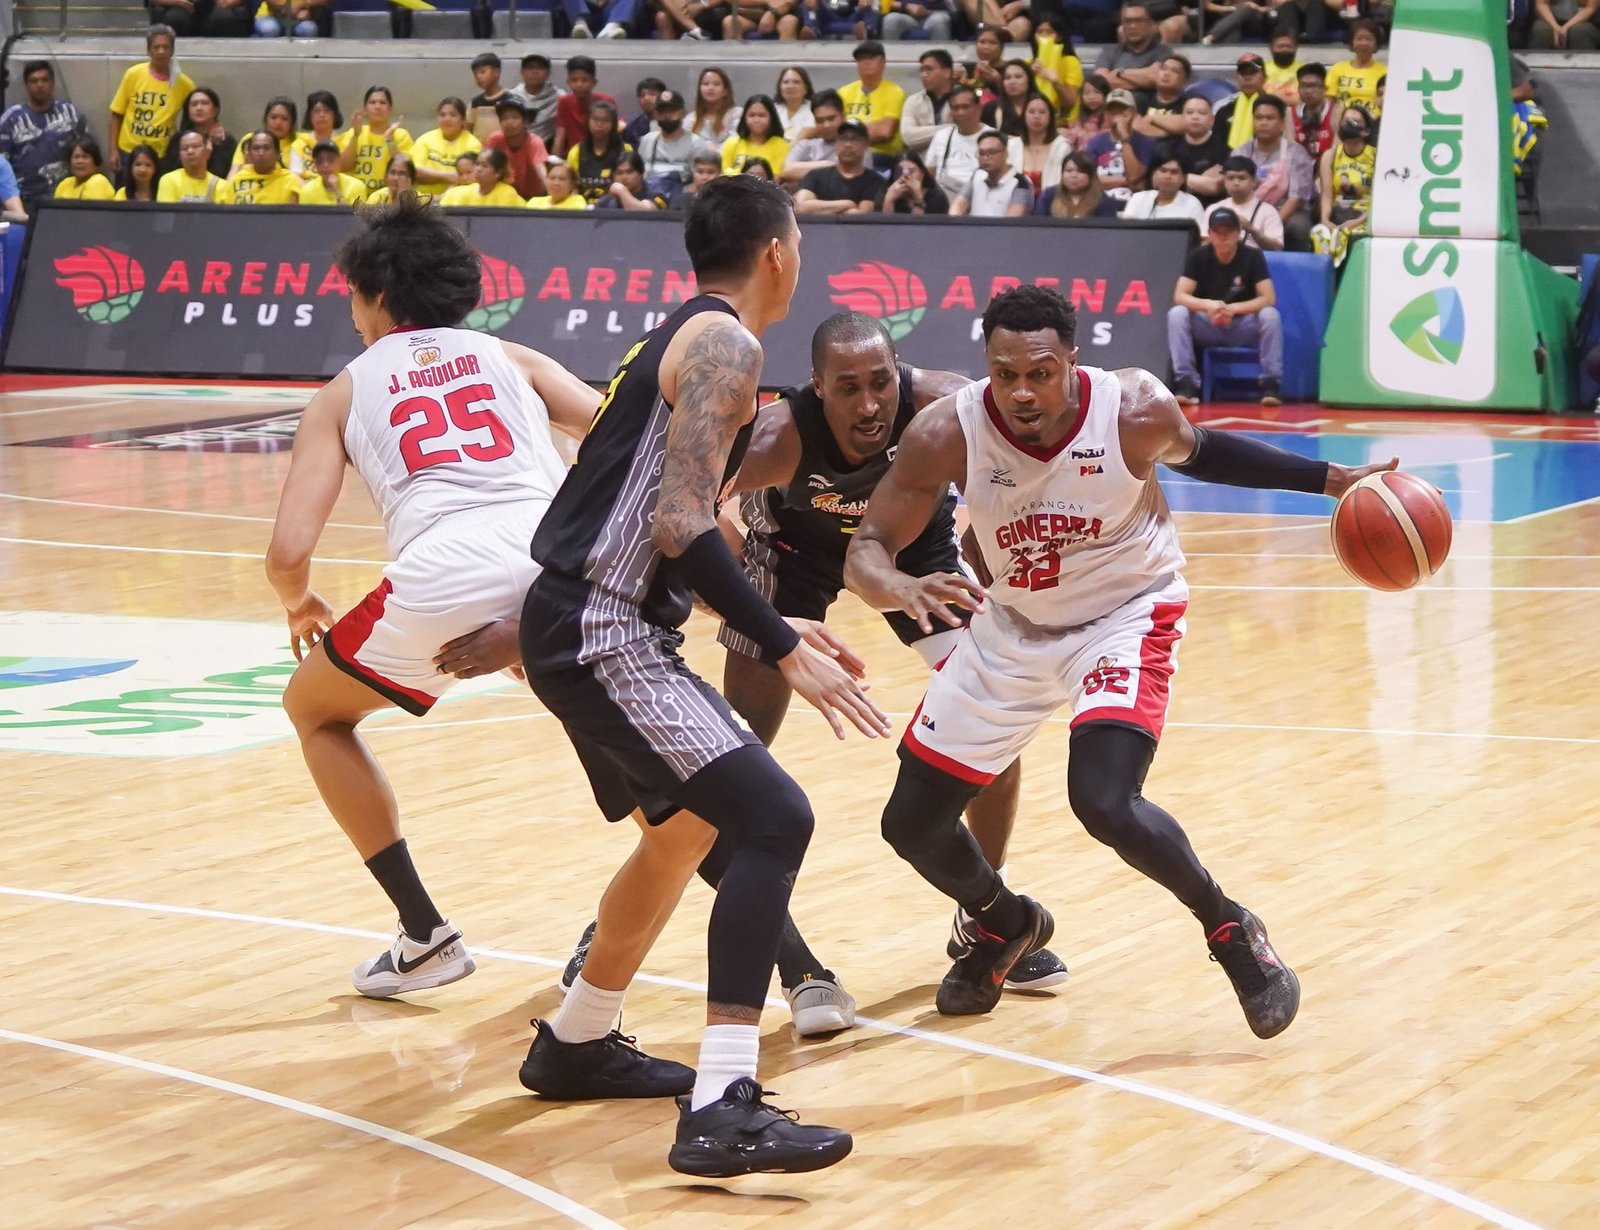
998,190
1259,222
482,117
203,114
1004,114
669,152
760,168
1200,151
1041,149
795,94
572,108
143,171
857,19
205,18
1091,117
281,118
876,101
816,153
523,149
1166,198
762,19
759,135
1285,174
681,18
192,182
989,53
1315,117
399,176
35,133
376,137
705,168
325,119
301,18
490,187
1224,298
1122,155
1346,175
1235,120
953,152
563,185
263,179
540,97
435,152
925,110
1283,58
612,18
929,19
594,159
715,117
1356,80
850,186
1057,71
645,94
83,181
1129,64
328,185
628,190
1564,25
1162,117
1244,20
913,190
1078,193
161,91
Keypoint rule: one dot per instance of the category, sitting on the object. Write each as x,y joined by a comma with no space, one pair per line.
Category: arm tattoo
716,392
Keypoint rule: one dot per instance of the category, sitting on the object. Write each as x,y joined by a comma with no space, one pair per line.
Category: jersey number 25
434,425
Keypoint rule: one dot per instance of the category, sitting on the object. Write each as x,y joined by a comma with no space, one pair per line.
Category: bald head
846,331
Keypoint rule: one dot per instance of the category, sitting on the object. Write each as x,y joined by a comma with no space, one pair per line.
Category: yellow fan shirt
276,187
351,191
886,102
373,154
96,188
288,155
179,188
300,160
501,196
575,201
150,108
736,151
1068,68
436,152
1349,84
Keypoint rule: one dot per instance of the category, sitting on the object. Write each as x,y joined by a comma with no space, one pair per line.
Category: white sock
727,1052
587,1013
1001,872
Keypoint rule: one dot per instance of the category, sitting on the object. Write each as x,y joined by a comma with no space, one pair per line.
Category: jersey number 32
436,422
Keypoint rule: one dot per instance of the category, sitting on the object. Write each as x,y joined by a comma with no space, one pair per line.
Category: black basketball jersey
597,529
823,504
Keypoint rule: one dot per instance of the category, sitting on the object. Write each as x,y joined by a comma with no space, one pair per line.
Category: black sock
392,868
1002,915
795,958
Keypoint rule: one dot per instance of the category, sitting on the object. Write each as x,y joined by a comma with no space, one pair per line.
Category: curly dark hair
1031,309
405,252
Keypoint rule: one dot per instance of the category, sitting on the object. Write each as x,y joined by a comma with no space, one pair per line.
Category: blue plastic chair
1236,368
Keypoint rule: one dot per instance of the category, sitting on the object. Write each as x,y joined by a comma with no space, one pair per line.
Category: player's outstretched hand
1342,478
824,640
928,598
309,623
493,647
818,676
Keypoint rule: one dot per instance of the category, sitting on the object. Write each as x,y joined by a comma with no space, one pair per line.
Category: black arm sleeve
1238,461
712,572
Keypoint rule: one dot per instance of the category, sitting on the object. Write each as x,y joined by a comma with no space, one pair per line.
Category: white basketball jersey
1067,533
442,421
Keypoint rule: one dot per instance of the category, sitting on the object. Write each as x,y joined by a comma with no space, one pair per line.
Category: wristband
712,572
1238,461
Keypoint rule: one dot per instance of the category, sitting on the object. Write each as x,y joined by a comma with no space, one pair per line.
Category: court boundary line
498,1175
170,512
1183,1101
258,556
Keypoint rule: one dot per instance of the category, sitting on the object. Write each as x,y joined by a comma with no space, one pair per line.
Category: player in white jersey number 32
1083,607
450,431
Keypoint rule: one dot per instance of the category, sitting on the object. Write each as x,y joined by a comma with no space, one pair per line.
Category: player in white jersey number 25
1083,607
450,431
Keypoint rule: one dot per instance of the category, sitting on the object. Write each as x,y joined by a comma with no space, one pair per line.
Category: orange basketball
1391,530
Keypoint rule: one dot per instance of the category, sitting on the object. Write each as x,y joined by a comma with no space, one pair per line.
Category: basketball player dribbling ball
450,431
629,538
1086,607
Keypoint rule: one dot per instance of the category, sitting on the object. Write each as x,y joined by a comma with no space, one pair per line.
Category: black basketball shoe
608,1067
1268,990
974,982
580,954
1034,971
741,1134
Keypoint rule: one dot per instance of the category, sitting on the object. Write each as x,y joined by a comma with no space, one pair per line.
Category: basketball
1391,530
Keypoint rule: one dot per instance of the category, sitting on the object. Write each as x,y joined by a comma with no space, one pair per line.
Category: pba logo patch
427,356
106,285
1411,322
895,296
503,292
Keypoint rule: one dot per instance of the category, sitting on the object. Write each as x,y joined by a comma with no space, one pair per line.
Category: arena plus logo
503,295
106,285
1410,325
895,296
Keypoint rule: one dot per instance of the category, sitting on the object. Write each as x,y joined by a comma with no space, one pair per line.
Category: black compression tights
1105,781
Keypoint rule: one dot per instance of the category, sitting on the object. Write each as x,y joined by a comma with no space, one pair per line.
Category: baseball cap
1223,220
854,128
510,102
1252,62
670,100
867,49
1120,98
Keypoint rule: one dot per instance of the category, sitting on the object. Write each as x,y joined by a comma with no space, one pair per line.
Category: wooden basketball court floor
1402,785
